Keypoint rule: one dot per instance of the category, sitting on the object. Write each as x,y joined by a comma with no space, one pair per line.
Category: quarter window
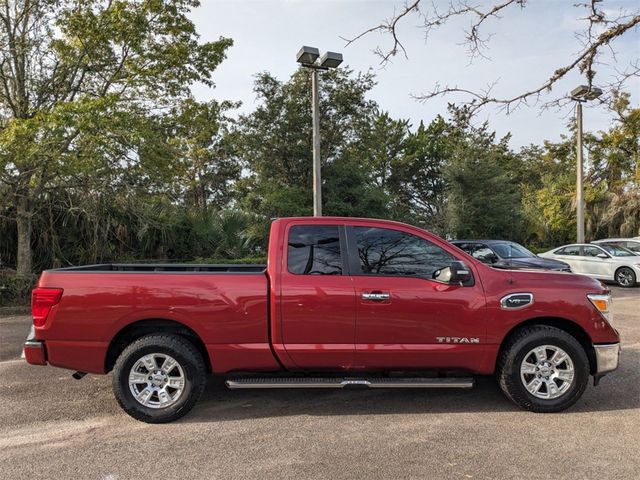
391,252
314,250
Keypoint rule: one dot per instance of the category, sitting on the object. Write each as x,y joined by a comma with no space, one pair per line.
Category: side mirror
456,273
602,255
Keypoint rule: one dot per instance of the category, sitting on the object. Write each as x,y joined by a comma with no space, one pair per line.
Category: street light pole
581,94
579,175
315,112
308,57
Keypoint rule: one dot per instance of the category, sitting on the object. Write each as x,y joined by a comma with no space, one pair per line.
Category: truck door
317,298
404,318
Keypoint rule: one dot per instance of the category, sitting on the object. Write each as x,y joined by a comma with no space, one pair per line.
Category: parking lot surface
52,426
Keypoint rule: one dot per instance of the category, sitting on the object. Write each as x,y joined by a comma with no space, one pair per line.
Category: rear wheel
543,369
159,378
625,277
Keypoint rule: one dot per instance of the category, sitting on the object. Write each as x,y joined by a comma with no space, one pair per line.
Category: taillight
42,300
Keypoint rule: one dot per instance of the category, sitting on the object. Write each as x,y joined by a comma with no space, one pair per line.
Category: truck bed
226,306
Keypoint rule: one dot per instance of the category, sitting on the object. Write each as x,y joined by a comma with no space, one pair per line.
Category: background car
601,261
505,254
632,244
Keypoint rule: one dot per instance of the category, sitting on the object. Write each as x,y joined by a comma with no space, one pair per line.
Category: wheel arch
140,328
620,267
572,328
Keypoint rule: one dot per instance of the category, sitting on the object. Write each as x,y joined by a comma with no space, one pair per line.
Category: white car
604,262
632,244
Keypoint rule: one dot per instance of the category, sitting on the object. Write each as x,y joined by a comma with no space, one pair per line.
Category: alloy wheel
156,380
547,372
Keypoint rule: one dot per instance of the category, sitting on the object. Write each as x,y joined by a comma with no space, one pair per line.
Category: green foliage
274,141
16,289
483,196
101,75
417,181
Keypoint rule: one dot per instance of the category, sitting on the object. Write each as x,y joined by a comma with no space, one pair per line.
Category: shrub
16,289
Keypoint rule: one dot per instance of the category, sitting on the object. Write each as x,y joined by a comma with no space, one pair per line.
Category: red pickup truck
341,302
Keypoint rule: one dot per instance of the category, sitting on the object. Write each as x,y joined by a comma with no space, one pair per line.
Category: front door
594,265
404,318
317,299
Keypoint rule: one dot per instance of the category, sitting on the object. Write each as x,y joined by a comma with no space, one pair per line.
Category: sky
526,46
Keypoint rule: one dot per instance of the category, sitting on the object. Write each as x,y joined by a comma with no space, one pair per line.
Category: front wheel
543,369
159,378
625,277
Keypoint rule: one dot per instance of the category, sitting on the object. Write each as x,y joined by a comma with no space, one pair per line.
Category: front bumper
607,357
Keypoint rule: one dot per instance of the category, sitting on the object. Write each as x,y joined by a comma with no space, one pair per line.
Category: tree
483,195
274,141
81,84
205,163
602,27
417,182
548,188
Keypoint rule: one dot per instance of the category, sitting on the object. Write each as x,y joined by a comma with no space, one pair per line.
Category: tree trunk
23,220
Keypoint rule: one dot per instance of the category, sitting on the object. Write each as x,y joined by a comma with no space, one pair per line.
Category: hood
533,262
527,279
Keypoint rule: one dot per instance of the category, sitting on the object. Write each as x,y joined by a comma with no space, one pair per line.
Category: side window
591,251
484,254
633,246
390,252
571,250
314,250
465,247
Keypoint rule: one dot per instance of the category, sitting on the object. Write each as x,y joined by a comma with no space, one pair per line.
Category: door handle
376,296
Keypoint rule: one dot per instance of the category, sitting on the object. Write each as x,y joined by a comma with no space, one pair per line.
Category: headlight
602,302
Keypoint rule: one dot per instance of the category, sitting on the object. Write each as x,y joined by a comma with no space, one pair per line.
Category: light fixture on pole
581,94
308,57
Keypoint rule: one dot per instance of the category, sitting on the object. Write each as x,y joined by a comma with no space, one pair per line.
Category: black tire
520,345
192,368
625,277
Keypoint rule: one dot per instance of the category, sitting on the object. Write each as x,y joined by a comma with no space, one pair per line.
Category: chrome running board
328,382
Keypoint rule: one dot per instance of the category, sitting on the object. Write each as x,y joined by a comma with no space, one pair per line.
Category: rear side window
484,254
390,252
314,250
633,246
572,250
466,247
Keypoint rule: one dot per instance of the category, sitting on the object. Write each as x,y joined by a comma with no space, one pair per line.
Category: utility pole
317,176
581,94
579,176
308,57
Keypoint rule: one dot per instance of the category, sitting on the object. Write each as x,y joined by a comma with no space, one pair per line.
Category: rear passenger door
571,255
317,298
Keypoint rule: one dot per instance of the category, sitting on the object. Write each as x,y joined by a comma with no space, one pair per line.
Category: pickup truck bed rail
165,267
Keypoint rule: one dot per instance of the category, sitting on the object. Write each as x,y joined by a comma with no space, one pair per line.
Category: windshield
618,251
511,250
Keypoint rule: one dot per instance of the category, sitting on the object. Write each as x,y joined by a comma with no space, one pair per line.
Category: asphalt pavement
54,427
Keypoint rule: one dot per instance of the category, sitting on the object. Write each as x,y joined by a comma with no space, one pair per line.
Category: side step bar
317,382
